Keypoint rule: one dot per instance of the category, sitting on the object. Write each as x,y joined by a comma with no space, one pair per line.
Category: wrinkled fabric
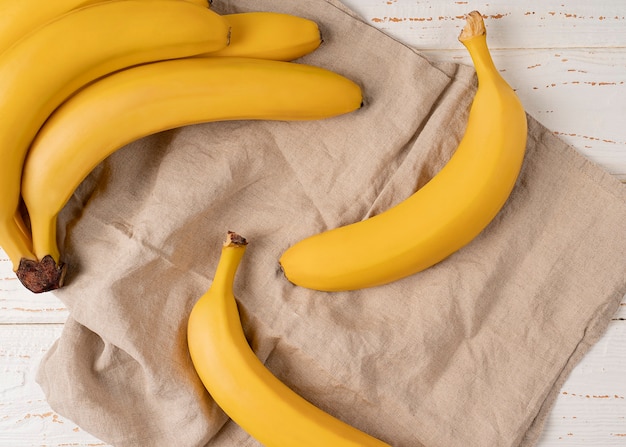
470,352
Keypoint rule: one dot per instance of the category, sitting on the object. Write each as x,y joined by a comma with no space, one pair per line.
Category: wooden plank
26,419
566,59
435,24
589,411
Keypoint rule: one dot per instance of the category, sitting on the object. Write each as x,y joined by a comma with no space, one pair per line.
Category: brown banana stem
41,276
474,27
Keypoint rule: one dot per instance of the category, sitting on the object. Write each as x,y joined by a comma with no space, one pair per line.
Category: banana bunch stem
186,65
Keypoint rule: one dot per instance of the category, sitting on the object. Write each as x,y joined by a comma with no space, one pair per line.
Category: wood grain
25,417
567,61
435,24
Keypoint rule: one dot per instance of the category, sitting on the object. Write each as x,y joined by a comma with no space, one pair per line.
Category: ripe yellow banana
203,3
44,68
441,217
139,101
18,18
241,385
270,35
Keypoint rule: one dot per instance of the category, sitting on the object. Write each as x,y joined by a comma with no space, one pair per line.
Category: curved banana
270,35
241,385
18,18
139,101
43,69
441,217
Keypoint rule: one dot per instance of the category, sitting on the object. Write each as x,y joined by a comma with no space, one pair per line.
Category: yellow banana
241,385
203,3
442,216
43,69
18,18
270,35
139,101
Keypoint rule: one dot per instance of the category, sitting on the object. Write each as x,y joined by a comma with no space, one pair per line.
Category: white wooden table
567,61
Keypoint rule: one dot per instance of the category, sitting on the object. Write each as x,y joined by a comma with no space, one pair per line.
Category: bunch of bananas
79,79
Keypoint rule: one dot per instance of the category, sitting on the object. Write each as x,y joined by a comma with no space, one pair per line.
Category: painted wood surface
567,61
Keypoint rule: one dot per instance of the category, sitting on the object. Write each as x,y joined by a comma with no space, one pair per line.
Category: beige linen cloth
471,352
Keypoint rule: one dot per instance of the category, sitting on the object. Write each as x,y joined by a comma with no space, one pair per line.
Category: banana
241,385
202,3
270,35
442,216
139,101
18,18
47,66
